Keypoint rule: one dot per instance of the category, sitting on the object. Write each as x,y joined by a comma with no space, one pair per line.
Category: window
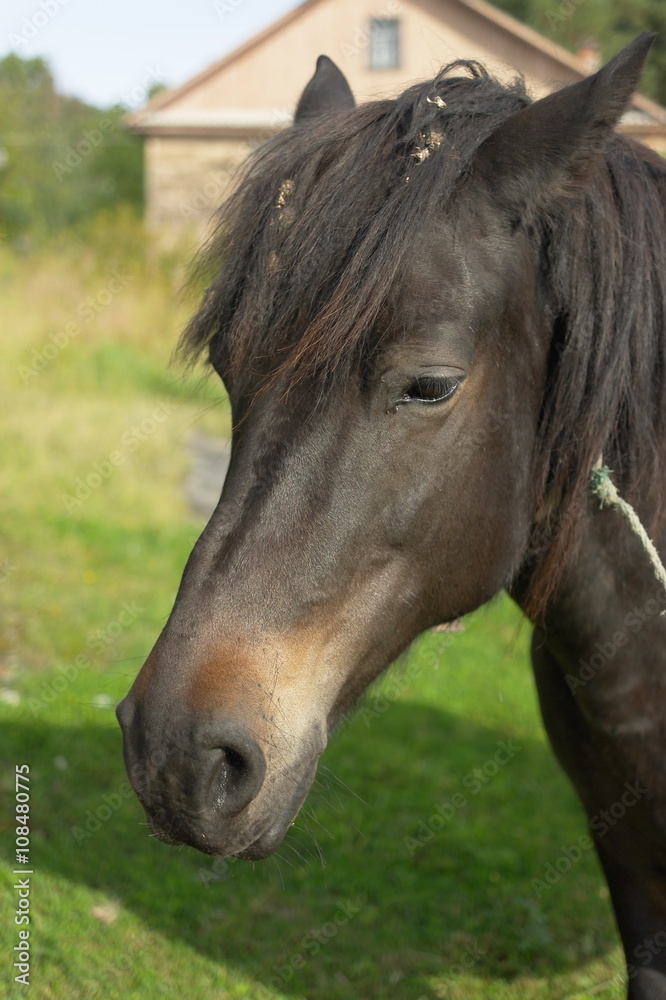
384,43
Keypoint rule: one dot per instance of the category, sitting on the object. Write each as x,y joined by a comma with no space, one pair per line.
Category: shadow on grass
349,906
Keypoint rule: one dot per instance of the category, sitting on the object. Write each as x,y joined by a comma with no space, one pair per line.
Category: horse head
380,316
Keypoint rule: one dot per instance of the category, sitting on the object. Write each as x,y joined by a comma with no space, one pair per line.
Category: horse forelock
309,249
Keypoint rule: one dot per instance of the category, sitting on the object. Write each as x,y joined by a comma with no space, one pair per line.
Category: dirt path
210,460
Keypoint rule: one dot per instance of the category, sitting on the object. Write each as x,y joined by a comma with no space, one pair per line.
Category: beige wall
186,179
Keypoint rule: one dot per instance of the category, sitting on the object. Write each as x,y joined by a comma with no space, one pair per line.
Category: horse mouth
263,846
266,843
240,837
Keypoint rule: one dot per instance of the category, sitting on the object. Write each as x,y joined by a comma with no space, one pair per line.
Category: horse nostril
239,771
234,759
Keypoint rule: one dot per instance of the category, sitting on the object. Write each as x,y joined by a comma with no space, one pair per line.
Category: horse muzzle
226,777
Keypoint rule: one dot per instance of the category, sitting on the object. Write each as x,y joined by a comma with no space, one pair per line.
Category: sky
112,51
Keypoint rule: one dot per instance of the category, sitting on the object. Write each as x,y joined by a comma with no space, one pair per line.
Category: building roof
161,116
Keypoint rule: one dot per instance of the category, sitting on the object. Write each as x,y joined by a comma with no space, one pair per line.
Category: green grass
117,914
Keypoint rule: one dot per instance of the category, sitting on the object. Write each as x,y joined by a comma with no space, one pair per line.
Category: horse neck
609,597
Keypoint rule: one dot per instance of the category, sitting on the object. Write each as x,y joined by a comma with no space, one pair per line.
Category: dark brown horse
434,315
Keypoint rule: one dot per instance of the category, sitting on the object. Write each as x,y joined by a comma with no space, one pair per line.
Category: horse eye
428,389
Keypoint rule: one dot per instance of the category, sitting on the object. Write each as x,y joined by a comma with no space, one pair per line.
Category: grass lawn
409,872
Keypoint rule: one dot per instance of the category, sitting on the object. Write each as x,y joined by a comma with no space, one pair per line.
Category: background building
196,134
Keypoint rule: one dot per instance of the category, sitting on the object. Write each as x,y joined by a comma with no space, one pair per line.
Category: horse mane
309,250
604,271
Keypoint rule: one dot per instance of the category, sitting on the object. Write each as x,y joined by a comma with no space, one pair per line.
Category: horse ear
549,147
328,89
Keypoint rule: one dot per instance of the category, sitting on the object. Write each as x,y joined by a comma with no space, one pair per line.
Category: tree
62,161
612,23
